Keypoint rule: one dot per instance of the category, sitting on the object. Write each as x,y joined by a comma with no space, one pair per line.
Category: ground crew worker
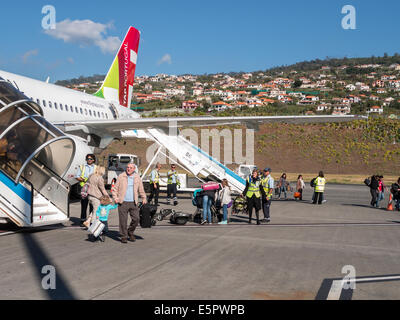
172,183
82,175
267,183
253,192
155,184
319,188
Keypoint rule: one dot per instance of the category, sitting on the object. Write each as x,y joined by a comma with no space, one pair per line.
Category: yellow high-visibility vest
170,175
157,178
83,168
254,188
319,184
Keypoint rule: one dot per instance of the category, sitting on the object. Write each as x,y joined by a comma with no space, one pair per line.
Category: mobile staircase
34,156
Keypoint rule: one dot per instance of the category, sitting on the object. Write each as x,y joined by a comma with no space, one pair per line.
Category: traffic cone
390,205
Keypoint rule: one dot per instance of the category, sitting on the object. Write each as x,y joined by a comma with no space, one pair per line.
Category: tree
297,83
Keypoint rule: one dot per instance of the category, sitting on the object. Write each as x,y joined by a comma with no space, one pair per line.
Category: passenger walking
126,193
225,197
381,191
96,191
395,190
267,183
319,188
208,200
282,185
300,186
374,186
155,184
253,192
82,175
102,213
172,184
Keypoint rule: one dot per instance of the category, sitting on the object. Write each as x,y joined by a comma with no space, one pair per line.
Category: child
225,197
102,214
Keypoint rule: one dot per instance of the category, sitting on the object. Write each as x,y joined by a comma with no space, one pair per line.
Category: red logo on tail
127,56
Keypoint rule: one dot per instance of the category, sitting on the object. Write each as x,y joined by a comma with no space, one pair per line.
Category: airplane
92,122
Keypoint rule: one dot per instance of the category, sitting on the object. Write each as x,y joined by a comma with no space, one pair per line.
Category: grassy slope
346,152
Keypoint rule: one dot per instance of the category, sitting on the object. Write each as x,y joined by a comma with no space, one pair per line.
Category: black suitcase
147,212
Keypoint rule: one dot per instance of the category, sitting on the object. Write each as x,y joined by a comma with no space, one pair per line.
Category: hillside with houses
332,86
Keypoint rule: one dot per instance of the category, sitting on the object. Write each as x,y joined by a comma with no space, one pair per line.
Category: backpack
196,197
367,181
312,182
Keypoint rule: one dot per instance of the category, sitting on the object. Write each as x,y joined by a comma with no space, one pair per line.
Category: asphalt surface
298,255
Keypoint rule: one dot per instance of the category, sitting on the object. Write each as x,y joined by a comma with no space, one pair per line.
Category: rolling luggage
164,213
179,218
96,228
147,212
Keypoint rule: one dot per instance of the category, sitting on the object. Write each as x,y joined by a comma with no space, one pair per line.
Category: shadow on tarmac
113,235
40,259
363,206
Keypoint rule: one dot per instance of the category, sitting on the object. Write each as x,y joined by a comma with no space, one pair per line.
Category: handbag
96,228
229,204
85,191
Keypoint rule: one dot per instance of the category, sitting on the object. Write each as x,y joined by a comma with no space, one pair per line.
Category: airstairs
192,158
34,156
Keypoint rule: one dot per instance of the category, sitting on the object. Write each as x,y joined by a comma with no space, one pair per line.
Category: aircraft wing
114,127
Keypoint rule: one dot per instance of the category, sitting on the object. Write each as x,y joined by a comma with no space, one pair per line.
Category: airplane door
114,111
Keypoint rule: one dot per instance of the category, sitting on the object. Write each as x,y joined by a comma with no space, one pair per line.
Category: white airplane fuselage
62,104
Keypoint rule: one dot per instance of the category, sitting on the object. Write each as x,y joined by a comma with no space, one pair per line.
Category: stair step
42,211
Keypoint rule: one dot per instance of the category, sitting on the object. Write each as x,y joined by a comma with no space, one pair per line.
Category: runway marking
337,292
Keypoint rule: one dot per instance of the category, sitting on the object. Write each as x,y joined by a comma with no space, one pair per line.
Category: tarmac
304,253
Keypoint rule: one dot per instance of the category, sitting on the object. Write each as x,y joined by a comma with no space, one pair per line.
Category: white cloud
28,54
85,33
165,59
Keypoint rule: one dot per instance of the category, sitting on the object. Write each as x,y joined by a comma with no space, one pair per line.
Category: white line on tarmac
337,285
336,290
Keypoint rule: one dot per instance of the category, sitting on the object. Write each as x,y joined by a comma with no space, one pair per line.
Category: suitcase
210,186
96,228
147,212
180,218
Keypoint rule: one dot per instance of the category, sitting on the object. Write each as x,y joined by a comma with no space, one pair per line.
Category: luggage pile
239,205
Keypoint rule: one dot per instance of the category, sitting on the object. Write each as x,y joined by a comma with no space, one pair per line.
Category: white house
376,109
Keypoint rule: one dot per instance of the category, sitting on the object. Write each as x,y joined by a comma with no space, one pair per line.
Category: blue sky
193,36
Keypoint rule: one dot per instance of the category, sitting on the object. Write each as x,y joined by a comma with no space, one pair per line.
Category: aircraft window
90,112
102,115
61,107
50,105
72,108
76,110
106,116
98,113
86,113
81,110
44,103
55,106
38,101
